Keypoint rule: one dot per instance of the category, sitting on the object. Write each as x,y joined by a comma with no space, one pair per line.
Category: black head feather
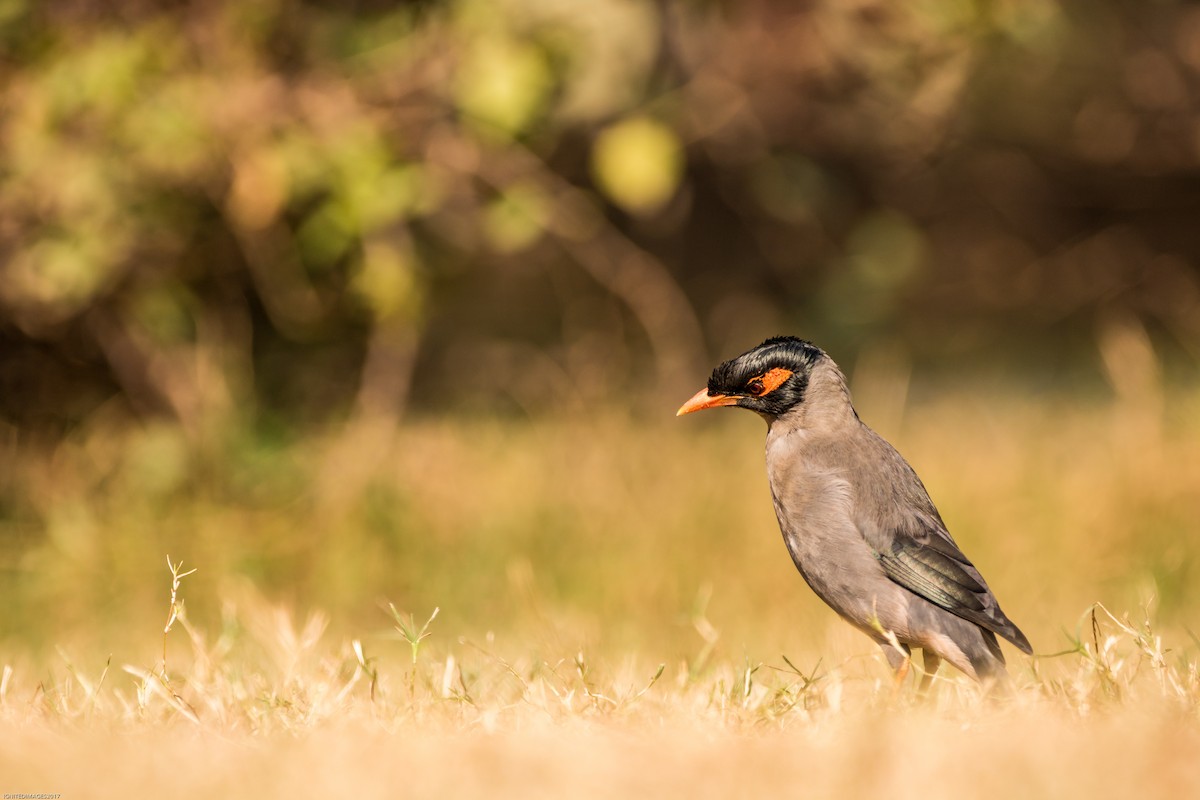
742,377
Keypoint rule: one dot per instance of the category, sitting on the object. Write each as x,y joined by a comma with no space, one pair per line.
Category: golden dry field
616,612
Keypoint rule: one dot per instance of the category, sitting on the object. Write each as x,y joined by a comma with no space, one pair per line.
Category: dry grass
617,614
283,710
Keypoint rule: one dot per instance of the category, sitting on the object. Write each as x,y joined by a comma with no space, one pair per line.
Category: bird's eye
756,387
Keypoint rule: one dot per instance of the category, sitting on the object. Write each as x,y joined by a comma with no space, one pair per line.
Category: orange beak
702,400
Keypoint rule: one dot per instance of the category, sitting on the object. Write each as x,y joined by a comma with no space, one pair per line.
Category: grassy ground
617,613
283,711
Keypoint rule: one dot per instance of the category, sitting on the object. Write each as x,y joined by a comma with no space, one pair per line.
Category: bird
856,519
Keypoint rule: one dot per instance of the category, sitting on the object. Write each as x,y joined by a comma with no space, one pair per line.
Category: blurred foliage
224,226
210,210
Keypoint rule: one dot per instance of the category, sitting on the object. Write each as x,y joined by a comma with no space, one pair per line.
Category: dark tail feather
1005,627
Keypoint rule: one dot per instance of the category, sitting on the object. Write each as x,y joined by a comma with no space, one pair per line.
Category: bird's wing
928,563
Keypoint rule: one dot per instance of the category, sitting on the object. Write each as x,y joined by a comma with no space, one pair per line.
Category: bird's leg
932,662
898,659
900,675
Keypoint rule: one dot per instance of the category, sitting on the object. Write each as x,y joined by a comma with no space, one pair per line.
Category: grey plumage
856,519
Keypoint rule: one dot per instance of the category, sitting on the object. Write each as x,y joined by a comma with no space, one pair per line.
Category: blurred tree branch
362,189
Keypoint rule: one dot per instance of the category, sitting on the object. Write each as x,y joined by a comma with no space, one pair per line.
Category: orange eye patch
769,381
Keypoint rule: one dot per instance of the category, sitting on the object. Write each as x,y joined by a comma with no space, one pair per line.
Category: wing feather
930,565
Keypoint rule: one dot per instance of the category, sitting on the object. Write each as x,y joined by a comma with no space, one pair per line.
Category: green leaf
503,82
638,164
515,219
386,280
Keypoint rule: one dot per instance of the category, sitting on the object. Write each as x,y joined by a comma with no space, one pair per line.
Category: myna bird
856,518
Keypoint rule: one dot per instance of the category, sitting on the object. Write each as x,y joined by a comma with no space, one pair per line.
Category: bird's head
770,379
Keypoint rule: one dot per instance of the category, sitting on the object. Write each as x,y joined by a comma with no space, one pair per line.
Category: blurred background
343,303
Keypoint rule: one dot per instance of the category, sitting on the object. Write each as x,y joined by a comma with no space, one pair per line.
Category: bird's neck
826,405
